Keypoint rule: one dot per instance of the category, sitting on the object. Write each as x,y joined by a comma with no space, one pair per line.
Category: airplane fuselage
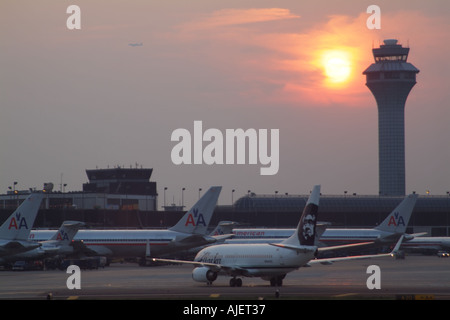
127,243
427,244
331,236
255,260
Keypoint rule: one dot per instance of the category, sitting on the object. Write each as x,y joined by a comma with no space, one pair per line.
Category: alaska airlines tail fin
197,219
67,231
20,222
398,219
306,229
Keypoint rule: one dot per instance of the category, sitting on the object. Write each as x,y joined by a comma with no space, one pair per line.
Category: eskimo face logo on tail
396,220
18,222
307,228
195,220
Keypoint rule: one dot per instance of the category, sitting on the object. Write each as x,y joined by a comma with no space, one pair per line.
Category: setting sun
337,66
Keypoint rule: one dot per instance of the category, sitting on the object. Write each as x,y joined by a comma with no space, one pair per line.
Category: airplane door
280,257
147,248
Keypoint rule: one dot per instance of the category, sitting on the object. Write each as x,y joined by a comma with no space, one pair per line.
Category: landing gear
277,281
235,282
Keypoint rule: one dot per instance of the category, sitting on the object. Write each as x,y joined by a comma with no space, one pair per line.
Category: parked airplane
427,245
388,231
270,261
15,230
60,244
189,232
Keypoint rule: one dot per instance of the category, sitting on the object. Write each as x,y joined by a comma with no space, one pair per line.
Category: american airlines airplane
387,232
269,261
427,245
60,244
188,233
15,230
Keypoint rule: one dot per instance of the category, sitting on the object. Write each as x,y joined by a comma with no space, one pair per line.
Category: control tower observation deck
121,180
390,79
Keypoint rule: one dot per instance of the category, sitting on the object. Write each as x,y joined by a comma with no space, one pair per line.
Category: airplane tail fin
67,231
306,229
196,220
18,225
223,227
398,219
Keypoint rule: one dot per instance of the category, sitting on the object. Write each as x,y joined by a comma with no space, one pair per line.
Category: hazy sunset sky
73,100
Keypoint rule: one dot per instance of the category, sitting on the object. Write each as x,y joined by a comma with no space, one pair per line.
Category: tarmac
412,278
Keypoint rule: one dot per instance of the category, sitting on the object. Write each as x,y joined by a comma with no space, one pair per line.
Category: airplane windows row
125,240
244,256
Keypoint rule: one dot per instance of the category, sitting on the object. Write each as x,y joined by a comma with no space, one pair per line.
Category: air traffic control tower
390,79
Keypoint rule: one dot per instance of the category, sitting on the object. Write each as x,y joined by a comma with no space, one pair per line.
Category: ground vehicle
86,263
27,265
443,254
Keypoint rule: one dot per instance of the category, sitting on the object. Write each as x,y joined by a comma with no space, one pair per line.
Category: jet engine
204,274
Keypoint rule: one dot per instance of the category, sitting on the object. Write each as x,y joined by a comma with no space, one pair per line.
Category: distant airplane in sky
136,44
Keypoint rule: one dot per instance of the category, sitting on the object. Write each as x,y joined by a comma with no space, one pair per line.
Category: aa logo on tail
195,220
62,235
396,220
18,222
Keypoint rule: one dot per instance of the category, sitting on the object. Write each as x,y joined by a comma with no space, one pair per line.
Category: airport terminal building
431,214
108,189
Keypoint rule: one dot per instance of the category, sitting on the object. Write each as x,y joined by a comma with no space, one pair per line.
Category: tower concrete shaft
390,79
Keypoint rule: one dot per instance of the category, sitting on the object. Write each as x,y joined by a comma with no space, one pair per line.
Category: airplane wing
17,246
200,240
213,266
415,235
194,239
235,271
331,260
223,237
345,246
322,249
80,248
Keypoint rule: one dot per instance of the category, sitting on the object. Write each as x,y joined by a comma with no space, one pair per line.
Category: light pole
182,198
165,188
